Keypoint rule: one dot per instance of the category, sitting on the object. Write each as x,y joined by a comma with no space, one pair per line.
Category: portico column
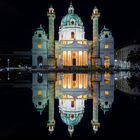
70,59
77,58
66,58
83,59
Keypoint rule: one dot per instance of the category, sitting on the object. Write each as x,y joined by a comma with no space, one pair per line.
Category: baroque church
72,49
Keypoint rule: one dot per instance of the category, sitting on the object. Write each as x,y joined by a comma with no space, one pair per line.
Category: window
40,78
74,77
72,22
72,103
107,61
106,103
39,93
106,35
39,45
72,35
106,93
106,46
72,117
39,103
74,62
39,35
39,60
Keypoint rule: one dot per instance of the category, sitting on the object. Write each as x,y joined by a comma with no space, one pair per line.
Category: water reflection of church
72,90
72,49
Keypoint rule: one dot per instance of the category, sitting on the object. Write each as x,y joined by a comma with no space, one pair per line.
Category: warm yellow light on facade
69,80
80,81
106,46
85,58
106,93
64,58
82,97
64,42
107,77
64,81
69,58
84,42
107,61
80,58
39,93
39,45
85,80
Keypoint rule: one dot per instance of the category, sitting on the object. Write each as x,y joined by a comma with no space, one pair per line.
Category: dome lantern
71,9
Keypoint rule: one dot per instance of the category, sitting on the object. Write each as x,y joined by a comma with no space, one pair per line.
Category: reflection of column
85,80
64,81
83,59
51,94
95,123
86,58
69,58
66,58
77,58
69,80
80,80
77,80
80,58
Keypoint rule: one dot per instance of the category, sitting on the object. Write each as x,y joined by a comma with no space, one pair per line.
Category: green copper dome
71,18
40,28
74,121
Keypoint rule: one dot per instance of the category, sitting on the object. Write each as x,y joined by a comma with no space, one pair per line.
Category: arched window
72,35
106,35
39,45
39,93
106,46
39,61
106,103
107,61
40,78
72,22
39,35
72,103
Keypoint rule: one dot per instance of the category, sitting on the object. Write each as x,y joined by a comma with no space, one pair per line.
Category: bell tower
51,49
95,47
39,48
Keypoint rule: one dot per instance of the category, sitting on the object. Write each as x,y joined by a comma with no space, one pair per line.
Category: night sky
20,18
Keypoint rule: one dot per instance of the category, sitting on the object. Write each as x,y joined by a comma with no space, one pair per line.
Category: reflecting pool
65,105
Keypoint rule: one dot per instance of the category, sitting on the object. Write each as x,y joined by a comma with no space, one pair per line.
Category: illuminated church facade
72,48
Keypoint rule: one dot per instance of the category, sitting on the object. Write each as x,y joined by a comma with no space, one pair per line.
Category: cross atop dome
71,8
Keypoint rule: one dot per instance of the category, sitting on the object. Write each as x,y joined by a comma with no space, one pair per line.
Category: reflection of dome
71,111
72,118
40,110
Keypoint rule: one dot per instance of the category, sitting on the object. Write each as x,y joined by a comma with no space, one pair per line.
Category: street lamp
8,60
8,69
